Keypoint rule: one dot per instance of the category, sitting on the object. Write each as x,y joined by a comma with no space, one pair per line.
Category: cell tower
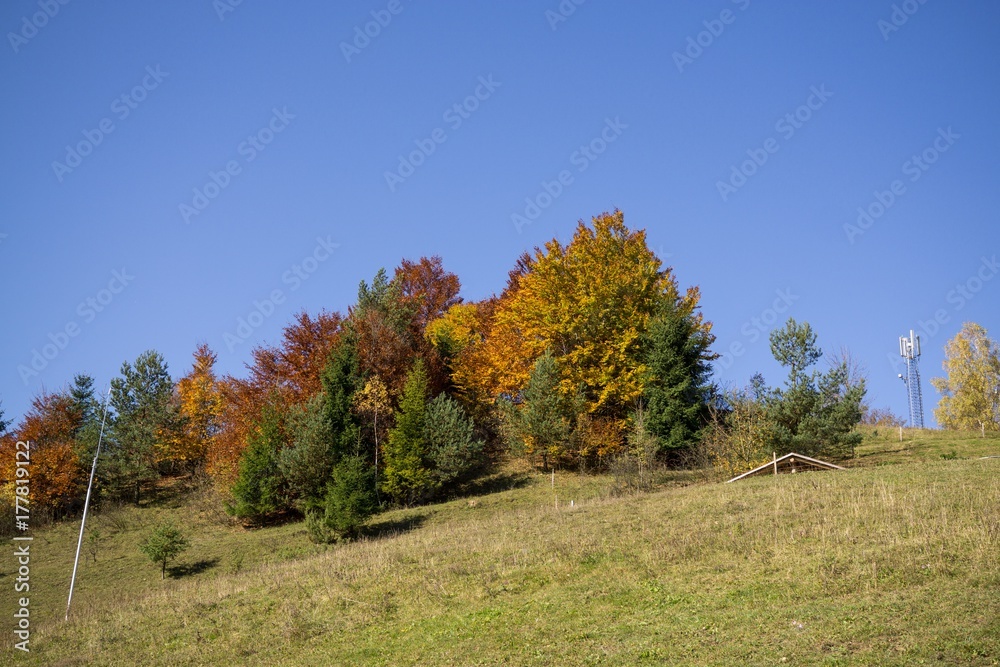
909,349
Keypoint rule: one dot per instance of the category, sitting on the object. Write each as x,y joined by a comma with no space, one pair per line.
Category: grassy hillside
881,564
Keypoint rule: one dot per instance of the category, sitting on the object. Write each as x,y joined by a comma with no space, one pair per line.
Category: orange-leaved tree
285,375
199,397
49,429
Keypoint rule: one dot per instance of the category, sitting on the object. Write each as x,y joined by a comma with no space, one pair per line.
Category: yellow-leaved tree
590,302
200,404
971,391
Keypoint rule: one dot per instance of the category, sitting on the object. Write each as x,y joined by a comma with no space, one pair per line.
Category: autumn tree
381,329
589,302
970,393
145,421
372,404
427,290
290,372
48,428
199,399
454,331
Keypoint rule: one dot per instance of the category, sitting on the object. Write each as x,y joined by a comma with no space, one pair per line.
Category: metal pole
86,503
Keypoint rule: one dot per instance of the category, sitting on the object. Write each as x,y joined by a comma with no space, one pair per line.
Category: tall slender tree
407,477
677,391
199,403
145,421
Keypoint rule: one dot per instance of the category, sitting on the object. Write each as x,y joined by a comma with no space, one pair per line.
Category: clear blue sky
327,123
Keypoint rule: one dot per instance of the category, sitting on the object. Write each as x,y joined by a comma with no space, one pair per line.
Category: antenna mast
909,349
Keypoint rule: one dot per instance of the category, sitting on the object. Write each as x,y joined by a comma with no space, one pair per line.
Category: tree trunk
163,572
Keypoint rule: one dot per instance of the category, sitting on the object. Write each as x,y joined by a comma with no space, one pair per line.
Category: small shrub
164,544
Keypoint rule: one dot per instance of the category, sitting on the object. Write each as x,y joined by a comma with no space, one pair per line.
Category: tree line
591,354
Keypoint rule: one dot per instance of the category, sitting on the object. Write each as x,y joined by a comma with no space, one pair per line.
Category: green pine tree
144,417
544,420
678,390
163,545
259,489
307,464
815,413
341,378
452,448
350,497
407,478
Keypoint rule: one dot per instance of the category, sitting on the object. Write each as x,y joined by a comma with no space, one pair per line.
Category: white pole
86,503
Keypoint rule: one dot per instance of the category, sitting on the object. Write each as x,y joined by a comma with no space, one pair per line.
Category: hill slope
886,565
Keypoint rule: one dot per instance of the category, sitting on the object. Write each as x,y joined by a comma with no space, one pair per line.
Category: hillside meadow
892,562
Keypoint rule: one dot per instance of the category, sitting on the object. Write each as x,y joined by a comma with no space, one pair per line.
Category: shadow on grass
191,569
386,528
490,484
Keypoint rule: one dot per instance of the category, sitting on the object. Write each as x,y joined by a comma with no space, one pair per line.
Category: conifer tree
407,478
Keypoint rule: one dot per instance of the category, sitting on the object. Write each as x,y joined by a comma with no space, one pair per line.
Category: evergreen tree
815,414
88,412
452,448
350,497
341,379
259,489
677,391
145,419
4,424
407,478
163,545
544,420
307,464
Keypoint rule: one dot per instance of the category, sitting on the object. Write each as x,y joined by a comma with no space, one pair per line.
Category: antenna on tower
909,349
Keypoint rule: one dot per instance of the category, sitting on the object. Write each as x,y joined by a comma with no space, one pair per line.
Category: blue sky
173,163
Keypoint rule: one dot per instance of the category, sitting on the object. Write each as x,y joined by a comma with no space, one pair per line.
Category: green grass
881,565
